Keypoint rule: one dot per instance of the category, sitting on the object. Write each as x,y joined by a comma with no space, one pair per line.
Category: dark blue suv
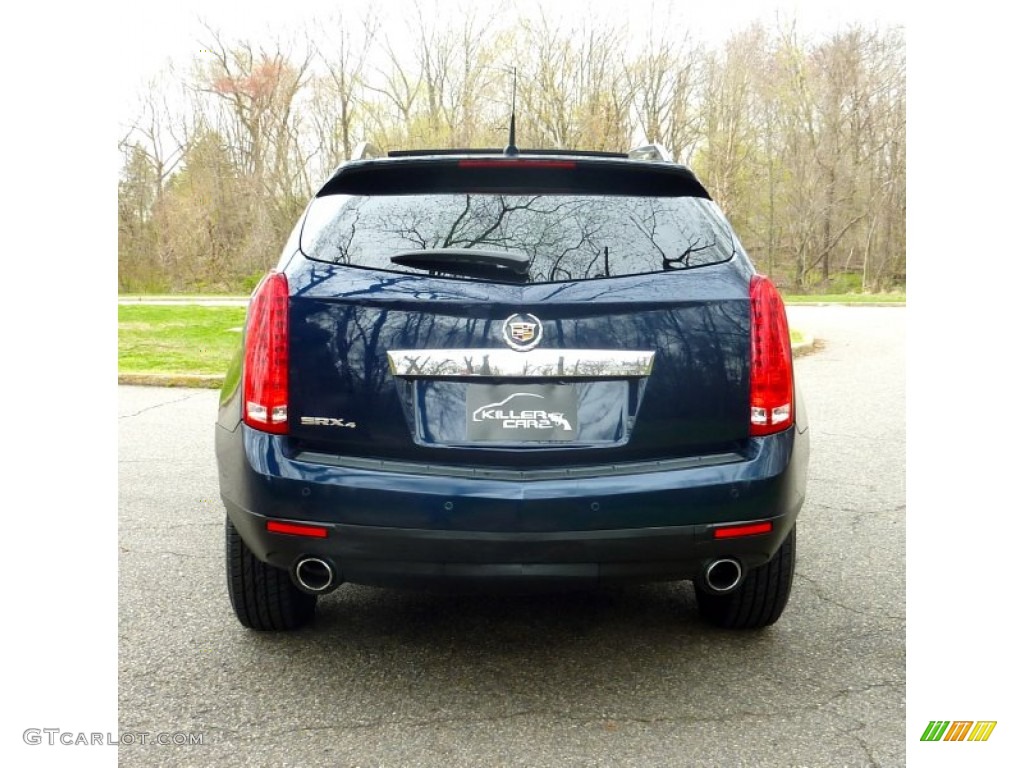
489,370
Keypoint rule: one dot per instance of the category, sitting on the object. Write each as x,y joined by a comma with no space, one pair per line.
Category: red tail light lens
265,376
771,360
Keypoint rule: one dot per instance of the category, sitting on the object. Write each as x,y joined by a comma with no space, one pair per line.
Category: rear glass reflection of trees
566,237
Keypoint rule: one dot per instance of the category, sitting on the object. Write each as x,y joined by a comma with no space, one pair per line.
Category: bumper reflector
297,529
752,529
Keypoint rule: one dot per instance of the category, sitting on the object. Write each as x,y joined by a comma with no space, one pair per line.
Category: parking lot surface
615,677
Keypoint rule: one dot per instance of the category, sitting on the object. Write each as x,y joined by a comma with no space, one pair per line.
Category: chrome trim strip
490,473
535,364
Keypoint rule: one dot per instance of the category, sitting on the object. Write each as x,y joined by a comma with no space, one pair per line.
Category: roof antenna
512,150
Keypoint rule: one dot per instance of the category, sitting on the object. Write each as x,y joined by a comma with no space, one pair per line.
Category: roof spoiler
499,152
364,150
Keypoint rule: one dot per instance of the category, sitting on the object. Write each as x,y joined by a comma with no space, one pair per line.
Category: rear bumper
639,522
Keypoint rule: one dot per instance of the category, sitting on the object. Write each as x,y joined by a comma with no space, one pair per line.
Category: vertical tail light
771,360
265,376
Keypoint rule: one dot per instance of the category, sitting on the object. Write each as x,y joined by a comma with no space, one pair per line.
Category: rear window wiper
471,262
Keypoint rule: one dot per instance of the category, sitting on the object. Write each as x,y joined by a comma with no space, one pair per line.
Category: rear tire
760,598
263,597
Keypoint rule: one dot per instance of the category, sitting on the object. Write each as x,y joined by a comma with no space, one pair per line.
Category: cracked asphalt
617,677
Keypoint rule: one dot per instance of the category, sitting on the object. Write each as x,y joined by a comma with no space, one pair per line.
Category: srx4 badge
323,421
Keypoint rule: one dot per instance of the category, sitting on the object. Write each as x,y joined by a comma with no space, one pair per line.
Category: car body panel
347,320
394,513
382,451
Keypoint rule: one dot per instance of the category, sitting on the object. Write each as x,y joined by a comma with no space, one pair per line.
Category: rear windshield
566,236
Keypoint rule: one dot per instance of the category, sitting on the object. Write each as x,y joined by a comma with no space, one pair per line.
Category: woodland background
801,140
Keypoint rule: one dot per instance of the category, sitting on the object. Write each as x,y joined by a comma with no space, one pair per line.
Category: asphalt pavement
616,677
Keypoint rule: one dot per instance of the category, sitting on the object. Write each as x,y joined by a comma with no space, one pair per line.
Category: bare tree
337,93
802,142
663,81
575,91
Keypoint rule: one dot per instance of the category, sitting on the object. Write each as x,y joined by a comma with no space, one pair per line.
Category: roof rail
495,151
655,152
364,150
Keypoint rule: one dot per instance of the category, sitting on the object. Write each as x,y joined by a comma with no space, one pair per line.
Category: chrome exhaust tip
314,575
723,576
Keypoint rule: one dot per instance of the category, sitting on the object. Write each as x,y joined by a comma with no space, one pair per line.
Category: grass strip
184,339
